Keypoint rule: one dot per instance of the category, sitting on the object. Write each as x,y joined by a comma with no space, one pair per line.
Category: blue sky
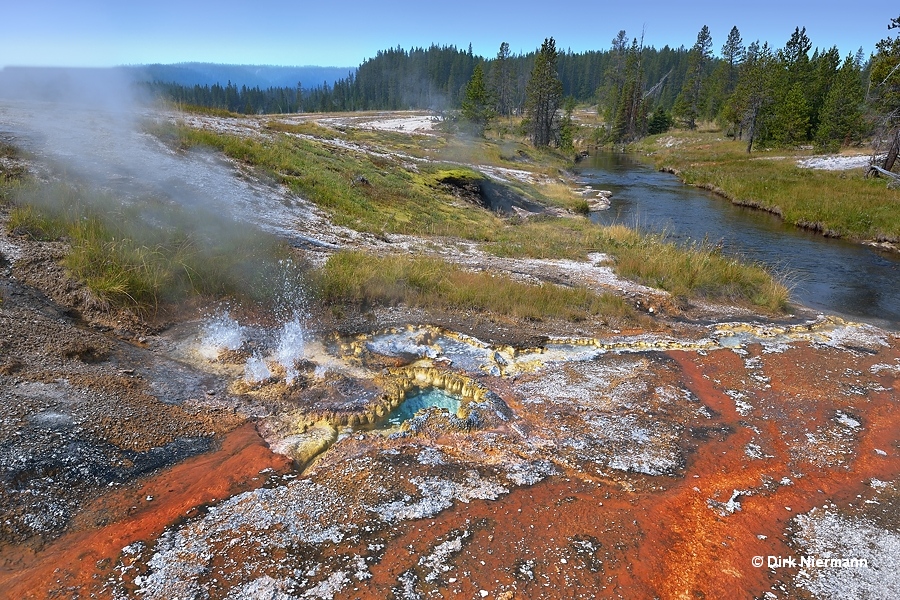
344,33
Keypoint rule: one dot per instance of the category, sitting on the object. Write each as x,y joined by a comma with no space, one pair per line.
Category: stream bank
831,275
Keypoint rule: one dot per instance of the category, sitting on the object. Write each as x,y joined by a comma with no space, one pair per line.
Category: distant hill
263,76
253,88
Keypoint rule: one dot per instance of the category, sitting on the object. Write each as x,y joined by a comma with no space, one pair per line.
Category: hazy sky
344,33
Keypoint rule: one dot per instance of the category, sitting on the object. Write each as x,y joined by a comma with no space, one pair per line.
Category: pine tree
477,106
860,58
795,53
660,122
609,94
752,99
543,95
791,122
841,121
689,104
733,55
630,113
794,92
567,125
502,81
824,67
724,78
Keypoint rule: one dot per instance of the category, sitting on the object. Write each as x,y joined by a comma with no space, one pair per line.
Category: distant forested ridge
246,89
251,76
786,95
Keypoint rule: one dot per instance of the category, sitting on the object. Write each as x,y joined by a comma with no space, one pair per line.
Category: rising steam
86,127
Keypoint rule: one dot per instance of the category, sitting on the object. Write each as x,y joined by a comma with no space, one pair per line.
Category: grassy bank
356,277
836,203
363,191
383,191
698,271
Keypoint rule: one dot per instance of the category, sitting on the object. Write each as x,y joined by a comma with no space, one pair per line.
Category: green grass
837,203
546,166
397,199
310,128
146,254
698,271
375,194
551,238
359,278
7,150
418,145
151,252
362,191
31,222
695,271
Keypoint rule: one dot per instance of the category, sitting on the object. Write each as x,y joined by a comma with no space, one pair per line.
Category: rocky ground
141,460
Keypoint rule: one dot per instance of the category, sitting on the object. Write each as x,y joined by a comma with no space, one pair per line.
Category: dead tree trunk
877,170
892,152
751,130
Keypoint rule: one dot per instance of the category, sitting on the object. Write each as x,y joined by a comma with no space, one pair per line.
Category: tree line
230,97
432,78
772,96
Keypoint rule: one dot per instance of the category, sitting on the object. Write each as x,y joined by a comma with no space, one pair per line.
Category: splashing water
290,349
256,370
293,310
220,333
290,296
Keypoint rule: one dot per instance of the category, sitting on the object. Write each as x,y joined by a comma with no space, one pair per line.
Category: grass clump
28,221
359,278
12,171
458,176
548,238
308,128
207,110
696,271
699,270
143,254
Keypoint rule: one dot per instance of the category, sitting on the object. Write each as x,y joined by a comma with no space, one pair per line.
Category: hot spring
418,400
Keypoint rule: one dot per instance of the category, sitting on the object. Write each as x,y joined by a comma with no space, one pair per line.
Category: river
833,276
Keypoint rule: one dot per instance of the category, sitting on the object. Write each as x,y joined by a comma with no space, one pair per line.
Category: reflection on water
829,275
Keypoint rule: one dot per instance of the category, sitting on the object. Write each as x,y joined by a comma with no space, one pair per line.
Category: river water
829,275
